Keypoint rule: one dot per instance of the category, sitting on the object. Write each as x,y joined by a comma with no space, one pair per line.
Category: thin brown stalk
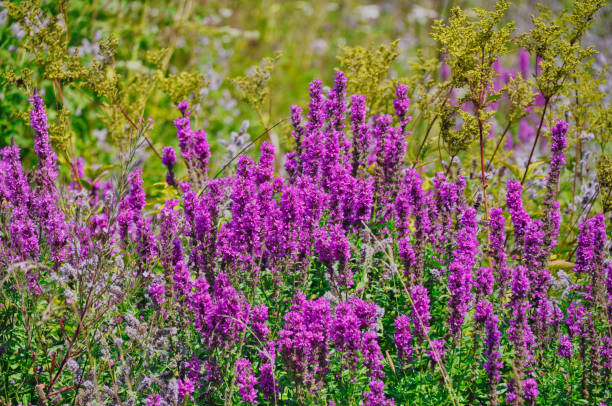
501,139
482,171
424,140
535,142
136,128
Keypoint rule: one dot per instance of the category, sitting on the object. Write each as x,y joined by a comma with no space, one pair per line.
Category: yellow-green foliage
123,99
47,40
457,140
254,88
471,47
425,83
520,96
366,70
556,43
604,175
602,125
59,130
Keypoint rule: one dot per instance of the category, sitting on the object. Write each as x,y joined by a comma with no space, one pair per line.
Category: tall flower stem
535,142
501,139
482,171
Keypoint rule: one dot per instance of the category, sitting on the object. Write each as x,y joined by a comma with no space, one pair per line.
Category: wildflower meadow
305,203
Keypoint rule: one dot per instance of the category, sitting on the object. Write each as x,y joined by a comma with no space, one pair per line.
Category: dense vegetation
431,227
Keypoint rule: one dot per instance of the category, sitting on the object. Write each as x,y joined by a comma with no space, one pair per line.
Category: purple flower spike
401,104
246,380
403,337
460,277
565,347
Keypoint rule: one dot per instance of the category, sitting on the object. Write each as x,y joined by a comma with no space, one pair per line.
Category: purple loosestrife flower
437,350
493,364
420,310
201,304
298,129
157,293
590,258
372,356
401,105
532,245
346,335
558,144
292,164
530,237
181,278
201,215
229,316
357,201
575,318
352,318
183,106
193,144
497,225
408,257
520,217
530,389
333,246
267,380
403,337
42,143
312,143
193,370
300,209
552,216
168,160
482,310
584,251
446,199
169,223
303,341
131,205
390,150
335,107
154,399
266,163
366,312
565,347
519,332
240,239
609,288
185,389
413,201
259,316
376,395
14,188
246,380
316,106
168,157
361,133
484,281
45,201
460,270
394,149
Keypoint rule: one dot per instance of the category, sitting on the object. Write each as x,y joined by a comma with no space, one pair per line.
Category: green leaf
94,173
494,97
